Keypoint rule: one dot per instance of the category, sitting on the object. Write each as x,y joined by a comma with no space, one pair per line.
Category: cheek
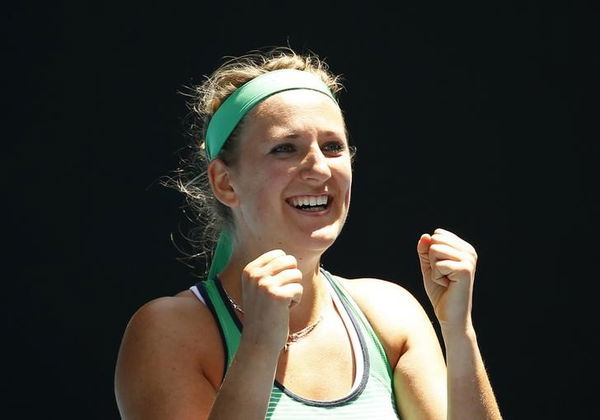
345,182
262,202
345,177
266,189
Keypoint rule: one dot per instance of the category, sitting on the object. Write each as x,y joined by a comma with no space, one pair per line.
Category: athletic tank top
372,394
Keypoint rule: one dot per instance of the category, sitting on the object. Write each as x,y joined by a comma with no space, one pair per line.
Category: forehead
298,109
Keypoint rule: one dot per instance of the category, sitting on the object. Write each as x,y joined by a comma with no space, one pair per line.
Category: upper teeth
307,200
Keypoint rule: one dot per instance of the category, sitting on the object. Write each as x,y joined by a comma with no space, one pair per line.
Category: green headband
241,101
231,112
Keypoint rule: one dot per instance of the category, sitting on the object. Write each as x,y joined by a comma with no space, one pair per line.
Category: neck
314,295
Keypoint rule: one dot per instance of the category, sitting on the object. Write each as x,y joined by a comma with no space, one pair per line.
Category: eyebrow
291,135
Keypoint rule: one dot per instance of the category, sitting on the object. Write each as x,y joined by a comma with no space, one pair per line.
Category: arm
420,373
165,368
448,268
167,363
424,386
470,394
411,345
270,286
247,386
160,372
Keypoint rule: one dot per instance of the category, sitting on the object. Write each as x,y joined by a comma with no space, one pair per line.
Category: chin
325,237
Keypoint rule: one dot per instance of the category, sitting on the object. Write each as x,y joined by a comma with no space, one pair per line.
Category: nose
315,166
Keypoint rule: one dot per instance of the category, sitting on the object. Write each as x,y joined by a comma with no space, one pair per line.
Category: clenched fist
271,285
448,268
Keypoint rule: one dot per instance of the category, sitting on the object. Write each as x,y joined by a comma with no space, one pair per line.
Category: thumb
423,251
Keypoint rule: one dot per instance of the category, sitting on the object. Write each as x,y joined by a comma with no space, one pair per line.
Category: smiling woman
269,333
287,156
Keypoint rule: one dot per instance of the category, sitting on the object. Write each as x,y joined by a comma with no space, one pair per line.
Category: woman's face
293,176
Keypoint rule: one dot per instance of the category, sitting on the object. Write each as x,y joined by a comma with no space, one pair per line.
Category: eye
335,147
283,148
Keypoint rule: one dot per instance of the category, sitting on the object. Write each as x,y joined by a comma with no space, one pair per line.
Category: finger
447,267
291,275
440,278
266,258
438,275
280,263
423,243
445,231
293,292
423,251
444,252
443,236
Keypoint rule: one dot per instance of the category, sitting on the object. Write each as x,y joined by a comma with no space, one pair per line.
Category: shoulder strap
230,330
382,369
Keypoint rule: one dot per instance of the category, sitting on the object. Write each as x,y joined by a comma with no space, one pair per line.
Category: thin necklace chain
292,338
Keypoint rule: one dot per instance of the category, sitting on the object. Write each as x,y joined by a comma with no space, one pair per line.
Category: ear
220,182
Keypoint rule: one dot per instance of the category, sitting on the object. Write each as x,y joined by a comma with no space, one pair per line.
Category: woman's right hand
271,286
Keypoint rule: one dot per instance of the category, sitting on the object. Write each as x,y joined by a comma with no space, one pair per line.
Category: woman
270,333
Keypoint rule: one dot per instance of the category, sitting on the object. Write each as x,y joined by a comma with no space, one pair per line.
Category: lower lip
314,213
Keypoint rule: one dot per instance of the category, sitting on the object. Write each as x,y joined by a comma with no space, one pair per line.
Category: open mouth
310,203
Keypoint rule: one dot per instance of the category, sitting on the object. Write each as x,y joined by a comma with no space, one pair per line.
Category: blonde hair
206,213
207,97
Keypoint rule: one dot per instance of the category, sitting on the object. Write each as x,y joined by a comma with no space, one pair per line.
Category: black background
479,118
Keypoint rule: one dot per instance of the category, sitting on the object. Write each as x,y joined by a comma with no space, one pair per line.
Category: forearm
247,385
470,394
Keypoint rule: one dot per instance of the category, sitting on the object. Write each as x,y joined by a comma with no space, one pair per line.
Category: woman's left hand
448,268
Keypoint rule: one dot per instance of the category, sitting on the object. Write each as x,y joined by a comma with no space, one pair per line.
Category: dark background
479,118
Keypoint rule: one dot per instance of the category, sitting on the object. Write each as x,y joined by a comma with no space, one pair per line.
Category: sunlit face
293,177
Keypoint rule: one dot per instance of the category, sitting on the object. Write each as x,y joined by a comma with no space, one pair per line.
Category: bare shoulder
393,312
377,295
182,318
178,327
171,347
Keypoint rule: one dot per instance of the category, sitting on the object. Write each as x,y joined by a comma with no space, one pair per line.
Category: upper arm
159,373
420,373
411,345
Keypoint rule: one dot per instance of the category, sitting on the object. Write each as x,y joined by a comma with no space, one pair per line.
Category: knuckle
264,283
464,269
470,248
470,257
434,248
248,273
288,260
278,252
255,275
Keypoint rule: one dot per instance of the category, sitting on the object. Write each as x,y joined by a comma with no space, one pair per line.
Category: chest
322,366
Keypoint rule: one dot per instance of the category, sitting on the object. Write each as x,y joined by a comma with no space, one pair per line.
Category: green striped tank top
371,396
